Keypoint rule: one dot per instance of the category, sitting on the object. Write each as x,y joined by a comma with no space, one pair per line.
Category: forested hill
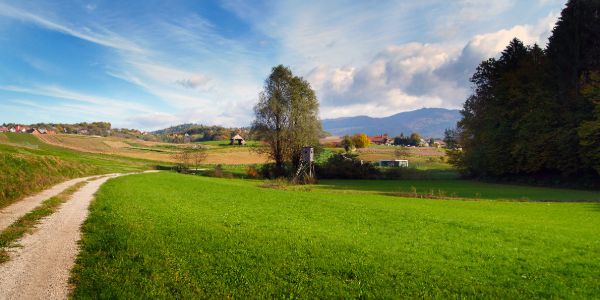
429,122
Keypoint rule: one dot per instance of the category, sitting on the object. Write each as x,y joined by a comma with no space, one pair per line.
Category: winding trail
13,212
40,269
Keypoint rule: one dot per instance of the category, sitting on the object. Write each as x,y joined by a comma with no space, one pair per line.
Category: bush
346,166
268,171
252,172
218,172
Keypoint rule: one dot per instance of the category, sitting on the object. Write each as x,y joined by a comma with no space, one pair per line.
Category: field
29,165
219,152
456,188
180,236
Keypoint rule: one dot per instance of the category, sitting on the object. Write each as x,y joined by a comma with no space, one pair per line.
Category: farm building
237,140
33,131
381,140
46,131
439,144
397,163
3,129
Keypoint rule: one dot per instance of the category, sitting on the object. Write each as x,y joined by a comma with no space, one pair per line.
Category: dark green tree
573,52
347,143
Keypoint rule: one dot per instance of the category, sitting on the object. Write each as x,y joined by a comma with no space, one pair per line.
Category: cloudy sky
151,64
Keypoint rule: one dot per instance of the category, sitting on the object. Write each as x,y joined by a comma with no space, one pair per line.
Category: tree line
534,112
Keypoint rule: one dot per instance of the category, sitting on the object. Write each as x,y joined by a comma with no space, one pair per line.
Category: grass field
29,165
457,188
175,236
219,152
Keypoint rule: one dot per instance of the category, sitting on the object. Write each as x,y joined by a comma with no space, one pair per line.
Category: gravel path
13,212
40,269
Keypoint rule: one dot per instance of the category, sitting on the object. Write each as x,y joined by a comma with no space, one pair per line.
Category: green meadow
457,188
168,235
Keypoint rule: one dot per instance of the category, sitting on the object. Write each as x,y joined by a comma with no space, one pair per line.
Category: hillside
30,165
429,122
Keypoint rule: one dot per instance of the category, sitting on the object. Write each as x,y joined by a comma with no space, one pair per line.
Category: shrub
360,140
346,166
252,172
218,171
268,171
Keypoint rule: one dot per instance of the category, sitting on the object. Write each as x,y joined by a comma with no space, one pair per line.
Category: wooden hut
237,140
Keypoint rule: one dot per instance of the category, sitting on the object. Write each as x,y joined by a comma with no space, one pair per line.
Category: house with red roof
381,140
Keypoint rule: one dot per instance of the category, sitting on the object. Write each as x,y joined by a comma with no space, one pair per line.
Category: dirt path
40,268
13,212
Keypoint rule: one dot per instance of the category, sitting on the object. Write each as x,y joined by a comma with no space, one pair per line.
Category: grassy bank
175,236
29,165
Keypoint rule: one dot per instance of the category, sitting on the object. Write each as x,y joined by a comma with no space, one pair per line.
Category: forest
535,113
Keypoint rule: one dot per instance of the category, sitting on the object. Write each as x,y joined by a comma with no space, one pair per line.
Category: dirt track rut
13,212
40,268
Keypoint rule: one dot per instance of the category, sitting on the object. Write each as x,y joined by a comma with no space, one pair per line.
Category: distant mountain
429,122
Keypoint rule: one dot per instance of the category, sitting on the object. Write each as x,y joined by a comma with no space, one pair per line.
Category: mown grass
456,188
27,222
29,165
176,236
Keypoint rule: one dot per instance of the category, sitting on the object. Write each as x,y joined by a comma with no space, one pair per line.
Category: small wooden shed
237,140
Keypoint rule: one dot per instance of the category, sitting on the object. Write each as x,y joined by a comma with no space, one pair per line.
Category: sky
152,64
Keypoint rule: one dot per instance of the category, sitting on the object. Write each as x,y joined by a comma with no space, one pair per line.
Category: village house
439,144
46,131
237,140
381,140
21,128
4,129
33,131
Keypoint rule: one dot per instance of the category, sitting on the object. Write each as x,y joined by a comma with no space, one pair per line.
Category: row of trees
197,133
536,112
414,139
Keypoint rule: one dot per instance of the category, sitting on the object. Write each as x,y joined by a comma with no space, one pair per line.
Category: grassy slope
29,165
172,236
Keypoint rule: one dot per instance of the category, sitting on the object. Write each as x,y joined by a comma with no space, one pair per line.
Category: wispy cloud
361,57
107,38
61,93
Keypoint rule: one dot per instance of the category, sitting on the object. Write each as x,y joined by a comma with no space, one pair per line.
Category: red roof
378,138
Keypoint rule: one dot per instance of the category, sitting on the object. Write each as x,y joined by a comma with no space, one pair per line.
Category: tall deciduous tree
286,117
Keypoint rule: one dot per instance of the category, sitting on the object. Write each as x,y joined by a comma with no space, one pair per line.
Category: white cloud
361,57
414,75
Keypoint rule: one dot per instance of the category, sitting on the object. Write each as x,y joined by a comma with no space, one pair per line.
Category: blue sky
152,64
